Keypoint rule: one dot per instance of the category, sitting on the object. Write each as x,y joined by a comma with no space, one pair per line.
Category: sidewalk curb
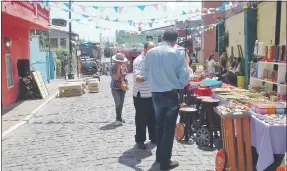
28,117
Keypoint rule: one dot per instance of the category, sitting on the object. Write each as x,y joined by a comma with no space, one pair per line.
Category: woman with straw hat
119,84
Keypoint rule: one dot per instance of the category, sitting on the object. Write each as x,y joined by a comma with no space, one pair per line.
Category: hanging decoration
141,7
116,9
196,12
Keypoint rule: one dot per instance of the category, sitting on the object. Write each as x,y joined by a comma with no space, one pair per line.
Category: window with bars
54,43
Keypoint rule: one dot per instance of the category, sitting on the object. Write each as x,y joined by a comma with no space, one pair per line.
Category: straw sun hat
119,57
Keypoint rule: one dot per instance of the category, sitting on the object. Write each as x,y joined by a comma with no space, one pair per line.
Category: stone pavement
76,133
18,111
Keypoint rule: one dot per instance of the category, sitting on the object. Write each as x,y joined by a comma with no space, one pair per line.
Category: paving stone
77,133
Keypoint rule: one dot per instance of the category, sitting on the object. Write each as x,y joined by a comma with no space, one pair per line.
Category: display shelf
280,82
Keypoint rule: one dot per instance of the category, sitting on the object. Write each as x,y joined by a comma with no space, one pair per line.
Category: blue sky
88,31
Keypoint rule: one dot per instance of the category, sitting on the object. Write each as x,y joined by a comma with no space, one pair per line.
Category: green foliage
62,55
58,67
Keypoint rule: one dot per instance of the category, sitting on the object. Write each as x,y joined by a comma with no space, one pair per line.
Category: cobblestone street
77,133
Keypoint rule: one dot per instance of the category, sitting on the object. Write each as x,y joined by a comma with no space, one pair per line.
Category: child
210,66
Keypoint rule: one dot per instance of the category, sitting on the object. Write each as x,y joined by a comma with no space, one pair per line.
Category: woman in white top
210,66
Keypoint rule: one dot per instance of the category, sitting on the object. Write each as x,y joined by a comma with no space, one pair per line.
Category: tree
63,56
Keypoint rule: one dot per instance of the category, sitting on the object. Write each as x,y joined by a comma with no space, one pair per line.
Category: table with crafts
267,137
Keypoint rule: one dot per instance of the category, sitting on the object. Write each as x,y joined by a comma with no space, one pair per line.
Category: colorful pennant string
203,11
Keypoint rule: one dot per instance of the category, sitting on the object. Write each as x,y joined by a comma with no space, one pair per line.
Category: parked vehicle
89,67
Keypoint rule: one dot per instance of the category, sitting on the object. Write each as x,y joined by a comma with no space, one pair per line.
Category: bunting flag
198,30
116,9
107,18
156,6
96,7
85,16
130,22
141,7
120,10
150,24
203,11
82,7
67,5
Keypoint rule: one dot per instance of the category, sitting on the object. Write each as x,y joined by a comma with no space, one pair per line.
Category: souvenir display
272,119
232,107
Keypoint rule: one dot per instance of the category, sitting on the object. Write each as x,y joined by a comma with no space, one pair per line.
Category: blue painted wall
39,59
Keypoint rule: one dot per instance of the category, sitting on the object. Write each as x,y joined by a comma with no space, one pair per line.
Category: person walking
145,116
166,73
119,84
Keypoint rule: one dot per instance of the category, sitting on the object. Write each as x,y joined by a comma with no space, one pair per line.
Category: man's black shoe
172,165
141,146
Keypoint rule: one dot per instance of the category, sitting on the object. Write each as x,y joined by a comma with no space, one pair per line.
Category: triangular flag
97,27
130,22
96,7
152,20
156,6
141,7
86,16
134,24
78,20
183,12
116,20
116,9
150,24
67,5
42,4
120,10
102,9
163,6
55,3
196,10
82,7
122,32
90,19
107,18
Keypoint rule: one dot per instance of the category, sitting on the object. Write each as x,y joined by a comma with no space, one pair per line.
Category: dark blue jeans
166,107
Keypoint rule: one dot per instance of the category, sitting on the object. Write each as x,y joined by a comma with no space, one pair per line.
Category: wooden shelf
272,63
270,82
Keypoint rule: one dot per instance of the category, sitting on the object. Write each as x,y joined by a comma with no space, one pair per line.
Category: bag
124,85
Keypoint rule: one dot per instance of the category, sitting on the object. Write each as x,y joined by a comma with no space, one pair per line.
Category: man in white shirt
145,116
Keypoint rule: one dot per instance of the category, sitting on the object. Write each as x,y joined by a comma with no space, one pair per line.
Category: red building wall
19,50
209,37
17,19
130,56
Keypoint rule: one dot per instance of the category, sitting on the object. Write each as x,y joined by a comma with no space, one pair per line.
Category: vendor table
267,139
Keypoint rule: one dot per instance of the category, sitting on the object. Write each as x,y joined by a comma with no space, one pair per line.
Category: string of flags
197,29
150,22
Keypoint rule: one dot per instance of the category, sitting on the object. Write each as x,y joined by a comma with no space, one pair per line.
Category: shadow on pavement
109,126
134,156
11,107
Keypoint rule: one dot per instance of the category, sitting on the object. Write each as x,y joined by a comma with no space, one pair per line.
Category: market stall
267,132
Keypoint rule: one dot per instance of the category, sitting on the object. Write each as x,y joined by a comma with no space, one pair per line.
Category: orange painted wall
19,50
